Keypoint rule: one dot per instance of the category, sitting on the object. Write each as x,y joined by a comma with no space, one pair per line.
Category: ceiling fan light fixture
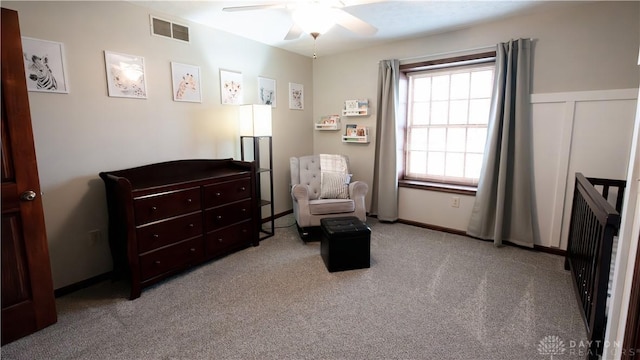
314,18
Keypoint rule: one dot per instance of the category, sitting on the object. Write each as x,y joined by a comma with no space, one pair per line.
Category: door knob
28,196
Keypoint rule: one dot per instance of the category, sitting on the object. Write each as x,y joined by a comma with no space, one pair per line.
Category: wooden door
27,289
631,344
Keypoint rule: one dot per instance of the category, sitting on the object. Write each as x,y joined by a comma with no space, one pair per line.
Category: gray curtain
384,194
503,209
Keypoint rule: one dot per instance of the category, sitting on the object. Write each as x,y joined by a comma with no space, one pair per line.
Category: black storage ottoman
345,243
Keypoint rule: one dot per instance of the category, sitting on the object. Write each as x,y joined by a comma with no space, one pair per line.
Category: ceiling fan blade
254,7
354,24
294,32
346,3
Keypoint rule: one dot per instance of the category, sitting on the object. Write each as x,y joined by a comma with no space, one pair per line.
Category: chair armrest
358,189
300,192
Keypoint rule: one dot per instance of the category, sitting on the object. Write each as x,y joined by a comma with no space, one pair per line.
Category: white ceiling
395,20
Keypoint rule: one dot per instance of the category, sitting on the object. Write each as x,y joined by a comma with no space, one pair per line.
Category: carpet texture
427,295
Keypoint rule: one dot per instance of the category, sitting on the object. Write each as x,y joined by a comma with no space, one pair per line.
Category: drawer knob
219,217
218,194
243,210
191,225
219,240
157,262
192,250
155,236
244,231
153,208
243,188
189,200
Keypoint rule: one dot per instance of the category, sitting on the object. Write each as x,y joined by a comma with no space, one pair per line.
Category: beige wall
79,134
580,46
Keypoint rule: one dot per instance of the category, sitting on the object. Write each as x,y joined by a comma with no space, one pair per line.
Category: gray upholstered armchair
314,198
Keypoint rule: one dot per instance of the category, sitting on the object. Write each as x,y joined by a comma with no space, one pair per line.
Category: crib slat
594,223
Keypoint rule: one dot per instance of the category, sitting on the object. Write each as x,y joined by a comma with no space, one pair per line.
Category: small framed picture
125,75
296,96
44,66
231,87
186,82
267,91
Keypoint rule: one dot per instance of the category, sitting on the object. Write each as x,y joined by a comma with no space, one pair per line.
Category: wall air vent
165,28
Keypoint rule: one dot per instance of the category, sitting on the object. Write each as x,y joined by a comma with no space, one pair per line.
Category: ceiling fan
316,17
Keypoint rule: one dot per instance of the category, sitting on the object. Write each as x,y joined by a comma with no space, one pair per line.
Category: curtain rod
482,48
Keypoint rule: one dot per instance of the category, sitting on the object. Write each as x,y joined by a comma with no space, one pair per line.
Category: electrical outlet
95,237
455,202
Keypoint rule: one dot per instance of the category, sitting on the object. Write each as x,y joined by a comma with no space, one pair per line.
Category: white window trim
433,70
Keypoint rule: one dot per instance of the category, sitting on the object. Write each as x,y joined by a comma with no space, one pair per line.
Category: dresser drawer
228,214
166,205
218,242
226,192
159,234
172,257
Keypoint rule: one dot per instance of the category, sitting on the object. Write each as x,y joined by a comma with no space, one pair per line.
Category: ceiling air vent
169,29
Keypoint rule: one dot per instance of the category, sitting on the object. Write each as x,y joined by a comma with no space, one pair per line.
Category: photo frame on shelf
186,82
296,96
351,130
125,75
231,89
44,65
267,91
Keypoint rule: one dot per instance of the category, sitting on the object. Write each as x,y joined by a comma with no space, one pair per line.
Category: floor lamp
255,128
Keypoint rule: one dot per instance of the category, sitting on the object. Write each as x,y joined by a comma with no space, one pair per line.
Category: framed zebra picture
44,66
186,82
125,75
267,91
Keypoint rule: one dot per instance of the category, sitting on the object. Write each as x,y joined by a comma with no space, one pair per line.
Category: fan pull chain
315,37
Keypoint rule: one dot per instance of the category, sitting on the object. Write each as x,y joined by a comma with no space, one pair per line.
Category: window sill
441,187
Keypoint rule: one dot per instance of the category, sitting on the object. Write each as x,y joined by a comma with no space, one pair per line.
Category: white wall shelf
329,122
356,108
356,134
355,139
319,126
364,112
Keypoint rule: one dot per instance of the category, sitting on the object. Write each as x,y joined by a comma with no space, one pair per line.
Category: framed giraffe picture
186,82
44,65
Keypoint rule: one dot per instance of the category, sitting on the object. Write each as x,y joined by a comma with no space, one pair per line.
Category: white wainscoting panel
588,132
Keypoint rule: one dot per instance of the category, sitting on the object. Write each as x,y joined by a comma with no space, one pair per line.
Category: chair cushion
331,206
334,185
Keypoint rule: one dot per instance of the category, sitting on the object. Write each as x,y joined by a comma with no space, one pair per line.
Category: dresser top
178,172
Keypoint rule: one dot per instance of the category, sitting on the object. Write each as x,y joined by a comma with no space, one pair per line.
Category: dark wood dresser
166,217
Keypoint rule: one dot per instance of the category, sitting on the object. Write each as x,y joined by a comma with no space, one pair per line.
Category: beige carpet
427,295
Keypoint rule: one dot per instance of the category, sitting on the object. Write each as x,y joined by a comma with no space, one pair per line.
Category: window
447,117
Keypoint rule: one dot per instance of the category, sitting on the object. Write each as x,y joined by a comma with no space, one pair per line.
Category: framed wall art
267,91
231,87
125,75
186,82
44,66
296,96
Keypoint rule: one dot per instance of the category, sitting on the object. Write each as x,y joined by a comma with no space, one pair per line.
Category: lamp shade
255,120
